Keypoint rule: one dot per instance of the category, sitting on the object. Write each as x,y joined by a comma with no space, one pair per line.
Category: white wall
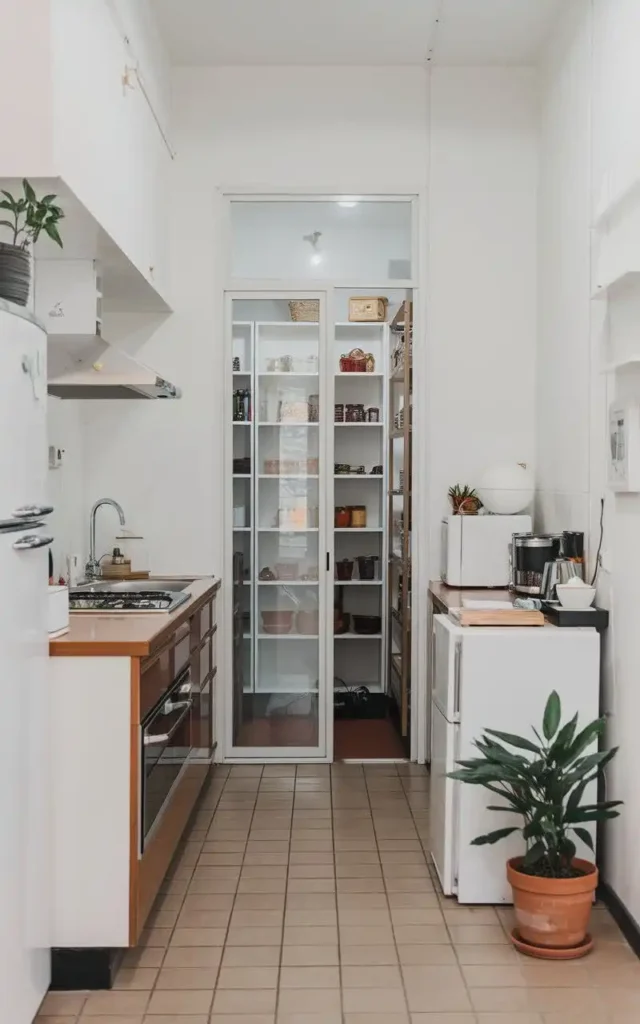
339,129
589,145
481,304
300,127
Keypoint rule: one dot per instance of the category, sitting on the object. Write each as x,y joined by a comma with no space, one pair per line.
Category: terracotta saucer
549,952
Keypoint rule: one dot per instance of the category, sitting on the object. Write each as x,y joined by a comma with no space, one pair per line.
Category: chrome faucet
92,569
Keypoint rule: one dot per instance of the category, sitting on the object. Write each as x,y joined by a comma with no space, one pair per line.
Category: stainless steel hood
91,368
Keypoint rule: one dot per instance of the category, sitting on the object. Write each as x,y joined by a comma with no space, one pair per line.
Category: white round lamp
506,490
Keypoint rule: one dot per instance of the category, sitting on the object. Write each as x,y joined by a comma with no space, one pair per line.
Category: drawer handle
164,737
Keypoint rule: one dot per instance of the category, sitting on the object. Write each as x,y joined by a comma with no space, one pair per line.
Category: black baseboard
626,923
73,969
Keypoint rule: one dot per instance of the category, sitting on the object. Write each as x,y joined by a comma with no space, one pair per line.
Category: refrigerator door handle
457,657
32,511
30,541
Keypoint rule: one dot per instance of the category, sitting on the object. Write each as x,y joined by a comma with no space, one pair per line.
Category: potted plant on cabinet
545,783
31,216
464,500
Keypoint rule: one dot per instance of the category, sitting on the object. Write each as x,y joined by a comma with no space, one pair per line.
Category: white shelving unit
364,445
289,490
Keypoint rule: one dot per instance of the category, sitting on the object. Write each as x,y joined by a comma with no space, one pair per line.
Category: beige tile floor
303,896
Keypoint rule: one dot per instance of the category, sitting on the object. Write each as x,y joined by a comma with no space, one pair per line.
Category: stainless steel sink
129,596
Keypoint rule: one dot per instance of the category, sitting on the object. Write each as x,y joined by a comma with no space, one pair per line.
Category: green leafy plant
464,499
544,783
31,216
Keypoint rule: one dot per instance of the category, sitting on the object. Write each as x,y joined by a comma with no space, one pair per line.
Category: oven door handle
164,737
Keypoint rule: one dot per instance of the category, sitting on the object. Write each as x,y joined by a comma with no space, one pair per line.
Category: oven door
165,750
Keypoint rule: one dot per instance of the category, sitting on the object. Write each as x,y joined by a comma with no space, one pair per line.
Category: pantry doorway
317,479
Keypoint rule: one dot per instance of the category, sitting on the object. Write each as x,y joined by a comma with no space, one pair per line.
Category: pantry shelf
358,636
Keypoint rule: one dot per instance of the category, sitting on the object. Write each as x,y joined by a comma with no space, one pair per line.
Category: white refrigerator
25,851
496,678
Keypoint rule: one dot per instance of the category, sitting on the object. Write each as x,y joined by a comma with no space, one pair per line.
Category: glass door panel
279,515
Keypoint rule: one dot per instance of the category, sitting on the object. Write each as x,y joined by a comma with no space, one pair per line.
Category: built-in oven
165,751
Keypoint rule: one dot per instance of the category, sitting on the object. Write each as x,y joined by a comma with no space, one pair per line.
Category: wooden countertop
451,597
131,634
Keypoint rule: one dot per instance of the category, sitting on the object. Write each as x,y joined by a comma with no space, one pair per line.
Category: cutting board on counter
496,617
122,572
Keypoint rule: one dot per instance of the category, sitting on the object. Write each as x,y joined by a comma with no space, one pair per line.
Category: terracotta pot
553,913
279,619
308,622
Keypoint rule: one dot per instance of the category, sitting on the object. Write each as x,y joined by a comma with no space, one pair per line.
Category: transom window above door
349,239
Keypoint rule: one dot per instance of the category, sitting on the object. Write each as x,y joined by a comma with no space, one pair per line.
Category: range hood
91,368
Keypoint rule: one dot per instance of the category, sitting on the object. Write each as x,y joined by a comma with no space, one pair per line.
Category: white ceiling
354,32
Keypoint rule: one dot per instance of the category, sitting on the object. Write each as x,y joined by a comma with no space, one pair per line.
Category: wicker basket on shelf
305,310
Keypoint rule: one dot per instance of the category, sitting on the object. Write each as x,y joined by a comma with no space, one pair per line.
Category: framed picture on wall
624,447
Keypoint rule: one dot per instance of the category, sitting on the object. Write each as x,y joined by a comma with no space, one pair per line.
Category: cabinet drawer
201,664
202,722
201,624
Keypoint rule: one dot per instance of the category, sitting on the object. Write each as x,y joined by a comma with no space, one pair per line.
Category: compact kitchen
319,473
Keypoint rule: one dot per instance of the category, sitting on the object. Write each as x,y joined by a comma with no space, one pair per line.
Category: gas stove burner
152,601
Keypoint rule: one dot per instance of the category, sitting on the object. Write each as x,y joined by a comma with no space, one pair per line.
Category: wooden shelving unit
399,512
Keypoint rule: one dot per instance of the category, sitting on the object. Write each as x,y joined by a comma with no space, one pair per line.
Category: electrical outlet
55,456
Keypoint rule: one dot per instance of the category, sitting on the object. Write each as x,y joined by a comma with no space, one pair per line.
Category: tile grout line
184,897
286,896
335,895
386,893
235,894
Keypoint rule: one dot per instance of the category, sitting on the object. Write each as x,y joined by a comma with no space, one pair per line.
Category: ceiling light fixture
313,239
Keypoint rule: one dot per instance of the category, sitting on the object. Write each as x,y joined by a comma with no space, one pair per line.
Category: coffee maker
530,552
540,561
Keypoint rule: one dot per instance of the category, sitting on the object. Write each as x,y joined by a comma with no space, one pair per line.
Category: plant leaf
493,837
6,224
563,739
28,191
585,738
534,854
53,233
551,717
514,741
509,810
585,836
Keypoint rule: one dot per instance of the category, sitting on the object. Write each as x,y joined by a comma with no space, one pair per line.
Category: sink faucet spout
92,569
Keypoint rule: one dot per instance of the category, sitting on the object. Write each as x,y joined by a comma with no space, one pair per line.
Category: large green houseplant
29,217
545,783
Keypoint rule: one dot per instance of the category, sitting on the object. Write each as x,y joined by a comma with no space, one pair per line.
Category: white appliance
497,678
25,850
475,549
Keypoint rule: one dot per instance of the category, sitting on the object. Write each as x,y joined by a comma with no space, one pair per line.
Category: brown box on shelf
367,309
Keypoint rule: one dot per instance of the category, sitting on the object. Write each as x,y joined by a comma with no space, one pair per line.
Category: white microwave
475,550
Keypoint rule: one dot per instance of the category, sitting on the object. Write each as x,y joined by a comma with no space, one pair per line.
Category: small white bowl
577,598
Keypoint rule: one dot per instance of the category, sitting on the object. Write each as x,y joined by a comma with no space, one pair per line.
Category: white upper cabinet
96,105
68,297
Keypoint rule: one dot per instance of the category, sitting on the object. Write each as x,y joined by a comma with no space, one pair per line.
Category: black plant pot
15,273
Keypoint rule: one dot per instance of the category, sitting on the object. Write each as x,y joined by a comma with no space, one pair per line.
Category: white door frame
273,288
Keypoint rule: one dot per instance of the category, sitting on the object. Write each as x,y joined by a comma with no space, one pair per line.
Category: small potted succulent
464,500
30,217
545,784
